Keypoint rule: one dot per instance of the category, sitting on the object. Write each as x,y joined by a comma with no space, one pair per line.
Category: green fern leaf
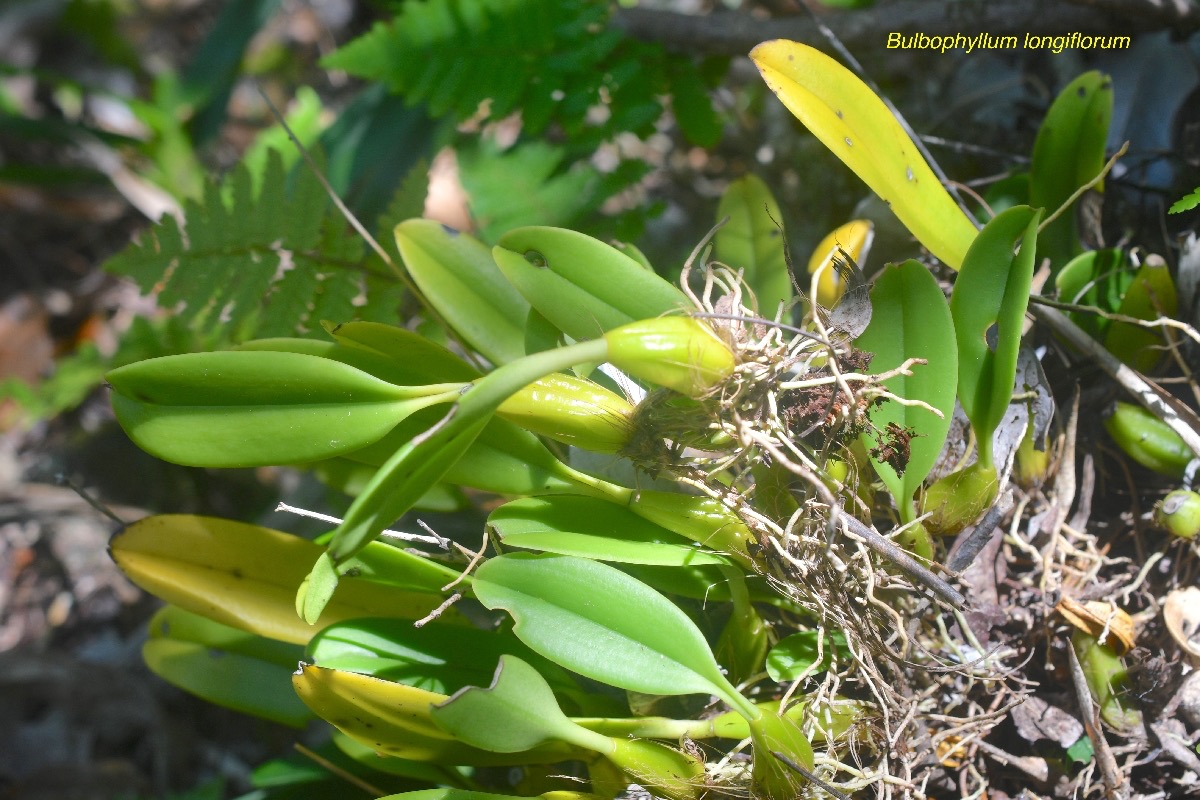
525,185
1186,203
272,261
453,55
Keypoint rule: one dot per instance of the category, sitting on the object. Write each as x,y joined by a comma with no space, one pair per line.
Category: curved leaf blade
436,658
587,527
910,319
517,712
753,241
456,274
255,408
1069,152
246,576
1150,295
854,123
617,630
988,304
395,719
580,284
225,666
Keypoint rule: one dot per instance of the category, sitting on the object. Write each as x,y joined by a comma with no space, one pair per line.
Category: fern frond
267,261
453,55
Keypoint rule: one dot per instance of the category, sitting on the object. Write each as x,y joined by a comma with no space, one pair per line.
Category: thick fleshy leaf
437,658
225,666
706,521
910,319
377,762
1097,278
361,358
753,241
705,583
592,528
504,458
415,359
246,576
743,643
394,719
517,712
423,461
854,123
583,286
795,654
1069,152
351,477
255,408
772,733
464,794
456,274
600,622
988,304
1150,295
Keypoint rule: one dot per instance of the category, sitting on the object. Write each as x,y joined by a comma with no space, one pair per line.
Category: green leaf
1150,295
988,305
413,358
854,123
246,576
772,733
580,284
437,658
693,108
1069,152
456,274
225,666
910,319
753,241
600,622
1082,752
1186,203
517,712
222,274
704,520
504,459
743,643
423,461
1096,278
531,182
592,528
255,408
795,654
394,719
459,54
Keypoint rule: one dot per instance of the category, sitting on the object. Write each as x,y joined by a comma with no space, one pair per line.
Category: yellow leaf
394,719
246,576
855,239
854,123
